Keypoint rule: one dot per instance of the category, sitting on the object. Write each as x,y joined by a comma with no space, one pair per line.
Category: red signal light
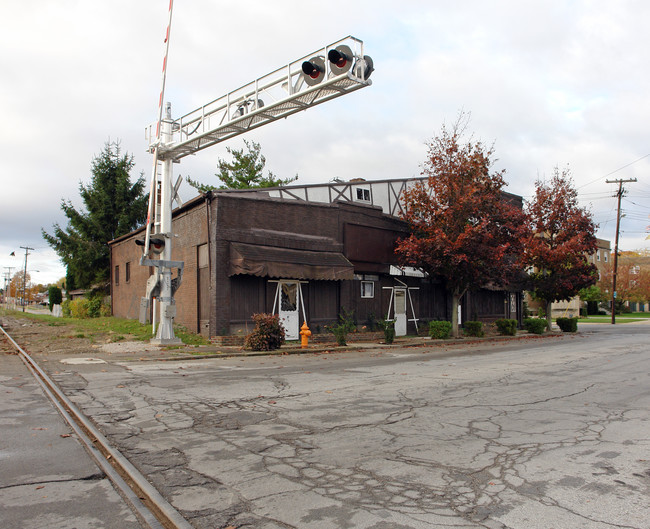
313,70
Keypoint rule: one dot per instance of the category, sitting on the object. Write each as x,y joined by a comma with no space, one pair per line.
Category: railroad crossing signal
340,60
292,88
156,244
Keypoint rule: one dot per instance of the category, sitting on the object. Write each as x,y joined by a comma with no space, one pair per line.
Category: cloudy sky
551,83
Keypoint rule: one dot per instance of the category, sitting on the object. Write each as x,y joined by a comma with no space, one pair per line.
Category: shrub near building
535,325
568,324
473,328
506,327
268,334
439,330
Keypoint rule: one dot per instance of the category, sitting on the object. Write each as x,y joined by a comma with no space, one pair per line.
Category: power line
616,171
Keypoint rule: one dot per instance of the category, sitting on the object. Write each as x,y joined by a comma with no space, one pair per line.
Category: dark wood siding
247,298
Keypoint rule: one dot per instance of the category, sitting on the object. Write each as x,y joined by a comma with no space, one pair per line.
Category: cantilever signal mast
328,73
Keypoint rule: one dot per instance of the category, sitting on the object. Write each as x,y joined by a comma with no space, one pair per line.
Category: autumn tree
561,235
632,278
20,283
114,207
245,171
464,228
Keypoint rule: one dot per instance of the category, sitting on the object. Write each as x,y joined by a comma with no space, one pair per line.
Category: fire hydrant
305,333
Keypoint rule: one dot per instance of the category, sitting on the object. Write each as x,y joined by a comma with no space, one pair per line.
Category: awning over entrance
269,261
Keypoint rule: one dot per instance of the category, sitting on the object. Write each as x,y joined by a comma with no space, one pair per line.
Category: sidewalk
141,351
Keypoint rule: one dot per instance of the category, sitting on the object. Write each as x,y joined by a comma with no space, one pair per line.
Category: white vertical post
167,306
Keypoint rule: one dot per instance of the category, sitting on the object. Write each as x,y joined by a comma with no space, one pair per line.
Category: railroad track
153,511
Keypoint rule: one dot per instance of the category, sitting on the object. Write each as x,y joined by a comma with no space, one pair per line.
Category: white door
289,309
400,312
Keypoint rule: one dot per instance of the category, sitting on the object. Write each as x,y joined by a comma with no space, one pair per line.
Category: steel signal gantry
277,95
326,74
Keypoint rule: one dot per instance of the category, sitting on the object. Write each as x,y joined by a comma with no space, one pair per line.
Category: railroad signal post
328,73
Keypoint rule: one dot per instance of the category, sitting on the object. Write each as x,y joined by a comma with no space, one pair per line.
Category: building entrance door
289,298
400,312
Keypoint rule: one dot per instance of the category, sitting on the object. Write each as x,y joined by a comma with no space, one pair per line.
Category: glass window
367,289
116,275
363,194
400,301
127,272
289,297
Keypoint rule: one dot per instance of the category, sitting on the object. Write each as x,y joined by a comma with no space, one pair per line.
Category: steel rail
146,502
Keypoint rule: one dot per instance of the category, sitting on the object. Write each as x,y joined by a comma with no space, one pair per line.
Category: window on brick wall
127,272
116,275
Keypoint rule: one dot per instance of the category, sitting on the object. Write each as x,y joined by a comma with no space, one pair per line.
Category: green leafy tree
592,295
244,172
114,207
54,295
464,228
561,236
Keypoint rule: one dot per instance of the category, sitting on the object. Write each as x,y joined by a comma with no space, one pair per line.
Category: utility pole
26,248
7,284
619,194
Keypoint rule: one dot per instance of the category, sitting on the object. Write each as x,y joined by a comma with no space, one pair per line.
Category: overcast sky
551,83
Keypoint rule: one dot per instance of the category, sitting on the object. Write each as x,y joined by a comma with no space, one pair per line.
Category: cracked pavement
46,477
550,434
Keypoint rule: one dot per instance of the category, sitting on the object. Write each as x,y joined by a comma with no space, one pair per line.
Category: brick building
303,252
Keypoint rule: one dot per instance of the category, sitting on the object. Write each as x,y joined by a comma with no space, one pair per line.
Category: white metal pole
154,188
165,332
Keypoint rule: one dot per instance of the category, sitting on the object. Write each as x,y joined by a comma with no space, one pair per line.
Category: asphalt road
548,434
47,480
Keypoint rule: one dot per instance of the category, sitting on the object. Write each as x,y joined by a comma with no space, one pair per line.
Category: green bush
90,307
79,308
267,335
105,310
568,324
535,325
388,326
344,326
94,306
473,328
439,330
506,327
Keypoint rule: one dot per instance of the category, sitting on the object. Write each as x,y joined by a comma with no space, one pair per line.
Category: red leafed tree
464,229
561,237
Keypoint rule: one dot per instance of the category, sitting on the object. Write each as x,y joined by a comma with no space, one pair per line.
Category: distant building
303,252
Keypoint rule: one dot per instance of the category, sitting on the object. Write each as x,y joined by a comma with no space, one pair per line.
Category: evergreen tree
114,207
244,172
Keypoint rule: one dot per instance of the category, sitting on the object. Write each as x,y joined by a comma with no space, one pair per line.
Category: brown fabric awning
269,261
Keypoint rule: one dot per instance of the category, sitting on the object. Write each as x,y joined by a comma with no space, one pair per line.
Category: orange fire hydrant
305,333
